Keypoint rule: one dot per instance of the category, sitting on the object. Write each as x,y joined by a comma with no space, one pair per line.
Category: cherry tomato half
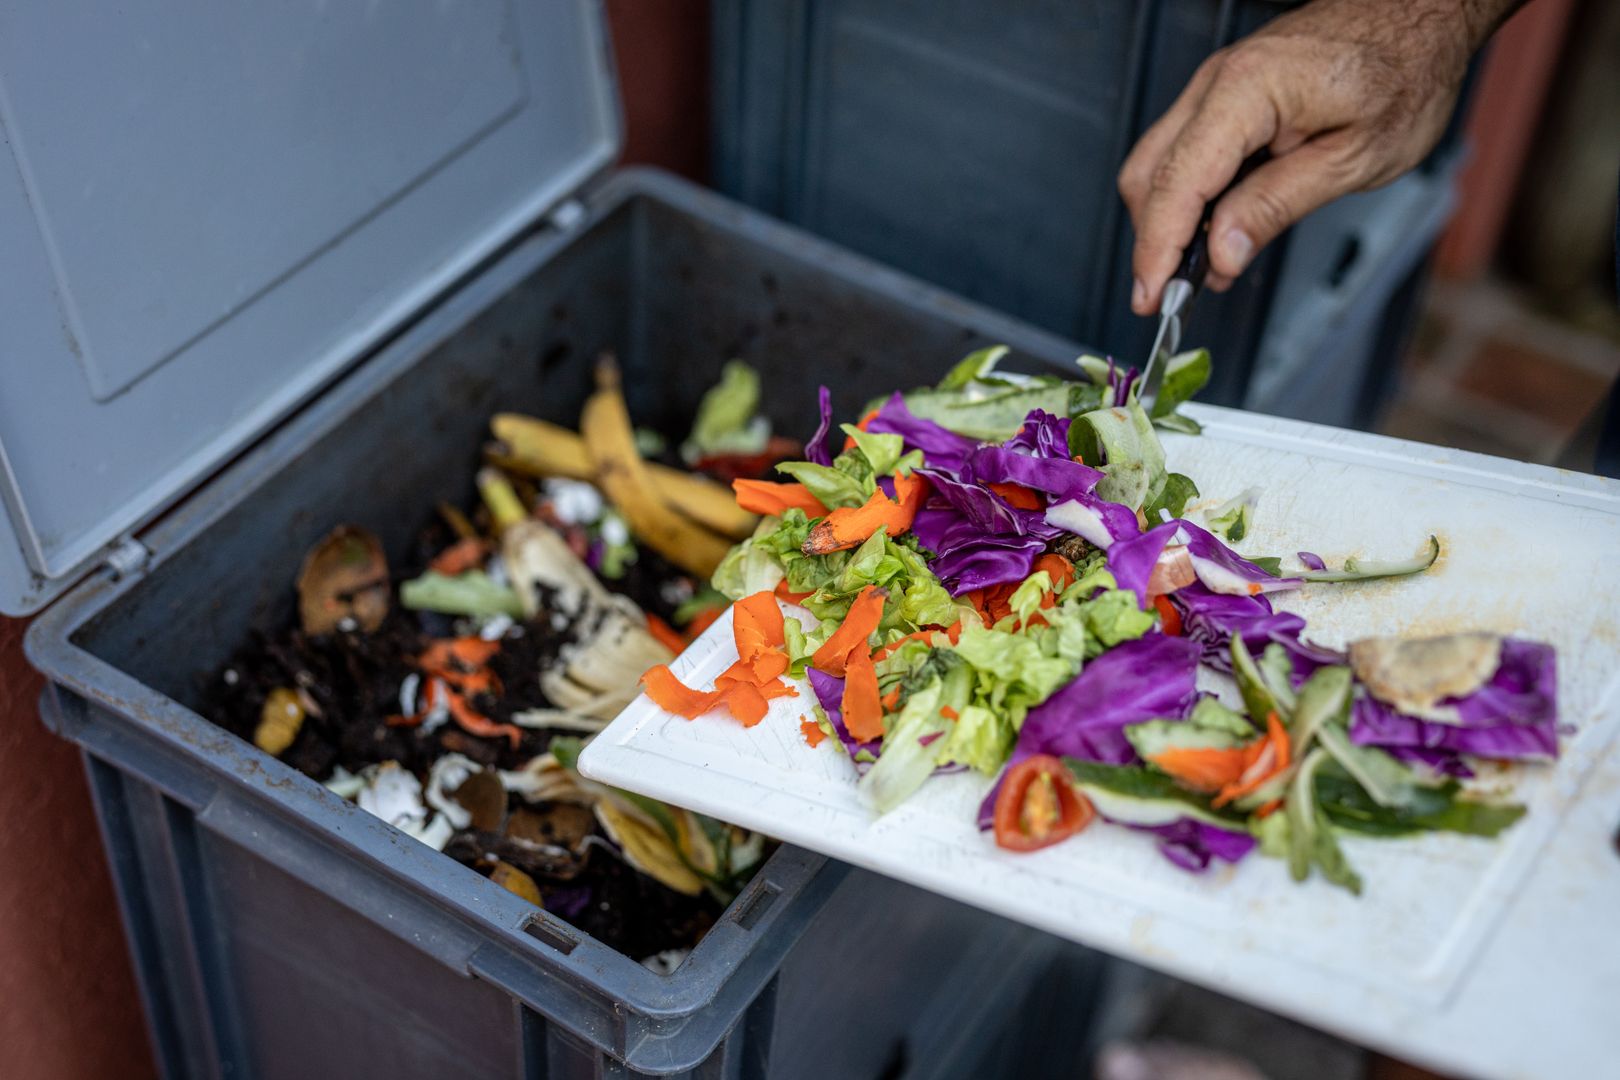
1038,805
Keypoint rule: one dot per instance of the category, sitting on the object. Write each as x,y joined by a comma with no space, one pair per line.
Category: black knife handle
1194,266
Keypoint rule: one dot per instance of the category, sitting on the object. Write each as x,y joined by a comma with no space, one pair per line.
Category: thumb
1270,199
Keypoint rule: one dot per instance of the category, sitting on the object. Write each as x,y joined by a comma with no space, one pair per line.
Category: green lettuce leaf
472,593
832,486
1178,491
973,367
905,762
725,420
1122,439
1185,374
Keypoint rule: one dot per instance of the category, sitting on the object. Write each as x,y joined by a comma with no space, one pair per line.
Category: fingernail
1138,294
1238,247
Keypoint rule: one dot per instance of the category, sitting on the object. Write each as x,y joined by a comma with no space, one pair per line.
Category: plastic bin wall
977,145
280,931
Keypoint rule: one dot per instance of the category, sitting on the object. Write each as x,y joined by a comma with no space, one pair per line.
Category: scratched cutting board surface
1526,550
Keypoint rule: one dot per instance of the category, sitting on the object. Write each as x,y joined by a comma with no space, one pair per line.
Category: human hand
1347,94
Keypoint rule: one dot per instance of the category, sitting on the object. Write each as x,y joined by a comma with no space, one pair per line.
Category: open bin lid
207,212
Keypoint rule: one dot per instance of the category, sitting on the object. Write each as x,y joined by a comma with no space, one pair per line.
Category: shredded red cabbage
1151,678
830,693
1191,844
817,449
1514,715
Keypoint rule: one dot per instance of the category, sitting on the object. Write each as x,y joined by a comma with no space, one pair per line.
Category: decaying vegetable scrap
451,700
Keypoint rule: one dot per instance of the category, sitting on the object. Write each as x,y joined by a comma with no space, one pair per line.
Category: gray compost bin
243,305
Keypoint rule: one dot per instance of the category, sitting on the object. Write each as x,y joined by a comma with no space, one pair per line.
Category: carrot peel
850,526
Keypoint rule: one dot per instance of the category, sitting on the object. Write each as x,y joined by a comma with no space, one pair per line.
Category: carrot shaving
757,630
460,557
1017,496
771,499
745,688
743,699
1060,569
851,526
789,595
812,732
890,700
853,634
1254,588
1266,758
463,653
1203,769
672,695
1270,808
474,722
949,713
666,634
953,632
1279,738
1169,617
404,721
863,712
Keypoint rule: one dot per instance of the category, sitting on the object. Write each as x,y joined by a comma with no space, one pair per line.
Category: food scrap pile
452,701
999,573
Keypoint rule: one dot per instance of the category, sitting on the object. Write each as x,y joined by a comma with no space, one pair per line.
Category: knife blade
1182,288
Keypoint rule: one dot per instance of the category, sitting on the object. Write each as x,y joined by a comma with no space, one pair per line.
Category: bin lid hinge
566,216
129,557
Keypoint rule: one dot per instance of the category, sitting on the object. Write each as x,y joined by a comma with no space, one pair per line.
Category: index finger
1231,123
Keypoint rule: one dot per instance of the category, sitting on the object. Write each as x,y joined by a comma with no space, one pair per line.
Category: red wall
67,999
68,1007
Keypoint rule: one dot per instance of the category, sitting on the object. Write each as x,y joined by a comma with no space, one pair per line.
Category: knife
1176,303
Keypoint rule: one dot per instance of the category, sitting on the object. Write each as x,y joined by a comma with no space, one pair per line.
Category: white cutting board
1490,958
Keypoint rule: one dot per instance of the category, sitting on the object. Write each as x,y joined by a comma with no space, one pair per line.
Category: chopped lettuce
726,418
1233,520
1130,455
908,750
835,487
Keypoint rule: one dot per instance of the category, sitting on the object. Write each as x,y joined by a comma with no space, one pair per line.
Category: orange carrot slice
1017,496
460,557
853,633
949,713
474,722
863,712
757,630
1206,770
1060,569
770,498
1266,758
851,526
672,695
952,632
812,732
463,653
789,595
666,634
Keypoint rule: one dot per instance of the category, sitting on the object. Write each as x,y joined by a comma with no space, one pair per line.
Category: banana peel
605,425
537,448
646,846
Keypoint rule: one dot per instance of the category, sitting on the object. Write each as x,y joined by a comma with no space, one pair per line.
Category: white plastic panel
1491,959
209,209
